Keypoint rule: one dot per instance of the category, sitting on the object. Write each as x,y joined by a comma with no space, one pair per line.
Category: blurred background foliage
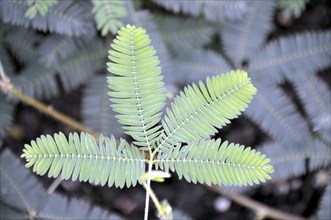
55,51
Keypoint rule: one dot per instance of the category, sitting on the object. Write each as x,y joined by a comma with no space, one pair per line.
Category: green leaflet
136,87
213,162
80,157
197,111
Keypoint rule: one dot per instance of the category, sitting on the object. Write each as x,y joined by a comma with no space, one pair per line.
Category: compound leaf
242,38
184,34
136,86
23,197
212,10
108,15
66,17
316,96
80,157
95,110
277,115
293,163
291,56
213,162
197,111
36,6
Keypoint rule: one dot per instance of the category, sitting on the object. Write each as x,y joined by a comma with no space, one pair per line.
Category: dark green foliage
212,10
22,197
66,17
6,115
95,109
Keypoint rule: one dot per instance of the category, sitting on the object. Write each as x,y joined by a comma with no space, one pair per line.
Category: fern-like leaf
55,48
212,10
82,158
82,64
22,197
37,6
96,113
183,35
294,161
66,17
36,81
213,162
242,38
290,55
316,97
136,87
277,115
21,42
108,15
196,112
194,66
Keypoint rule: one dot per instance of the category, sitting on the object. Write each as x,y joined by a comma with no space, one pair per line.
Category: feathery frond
55,48
23,197
212,10
96,113
21,43
80,157
213,162
184,34
242,38
316,97
293,162
36,81
197,111
195,65
77,68
6,115
277,115
136,86
66,17
37,6
288,55
108,15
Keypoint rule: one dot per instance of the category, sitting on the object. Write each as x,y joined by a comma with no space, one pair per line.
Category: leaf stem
46,109
149,192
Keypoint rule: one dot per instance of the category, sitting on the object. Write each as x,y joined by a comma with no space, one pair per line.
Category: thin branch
259,208
8,88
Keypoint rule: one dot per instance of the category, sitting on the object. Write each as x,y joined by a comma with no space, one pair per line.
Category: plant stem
48,110
148,188
259,208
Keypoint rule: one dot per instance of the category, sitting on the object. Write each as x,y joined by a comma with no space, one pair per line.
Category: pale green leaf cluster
80,157
182,146
108,15
38,6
